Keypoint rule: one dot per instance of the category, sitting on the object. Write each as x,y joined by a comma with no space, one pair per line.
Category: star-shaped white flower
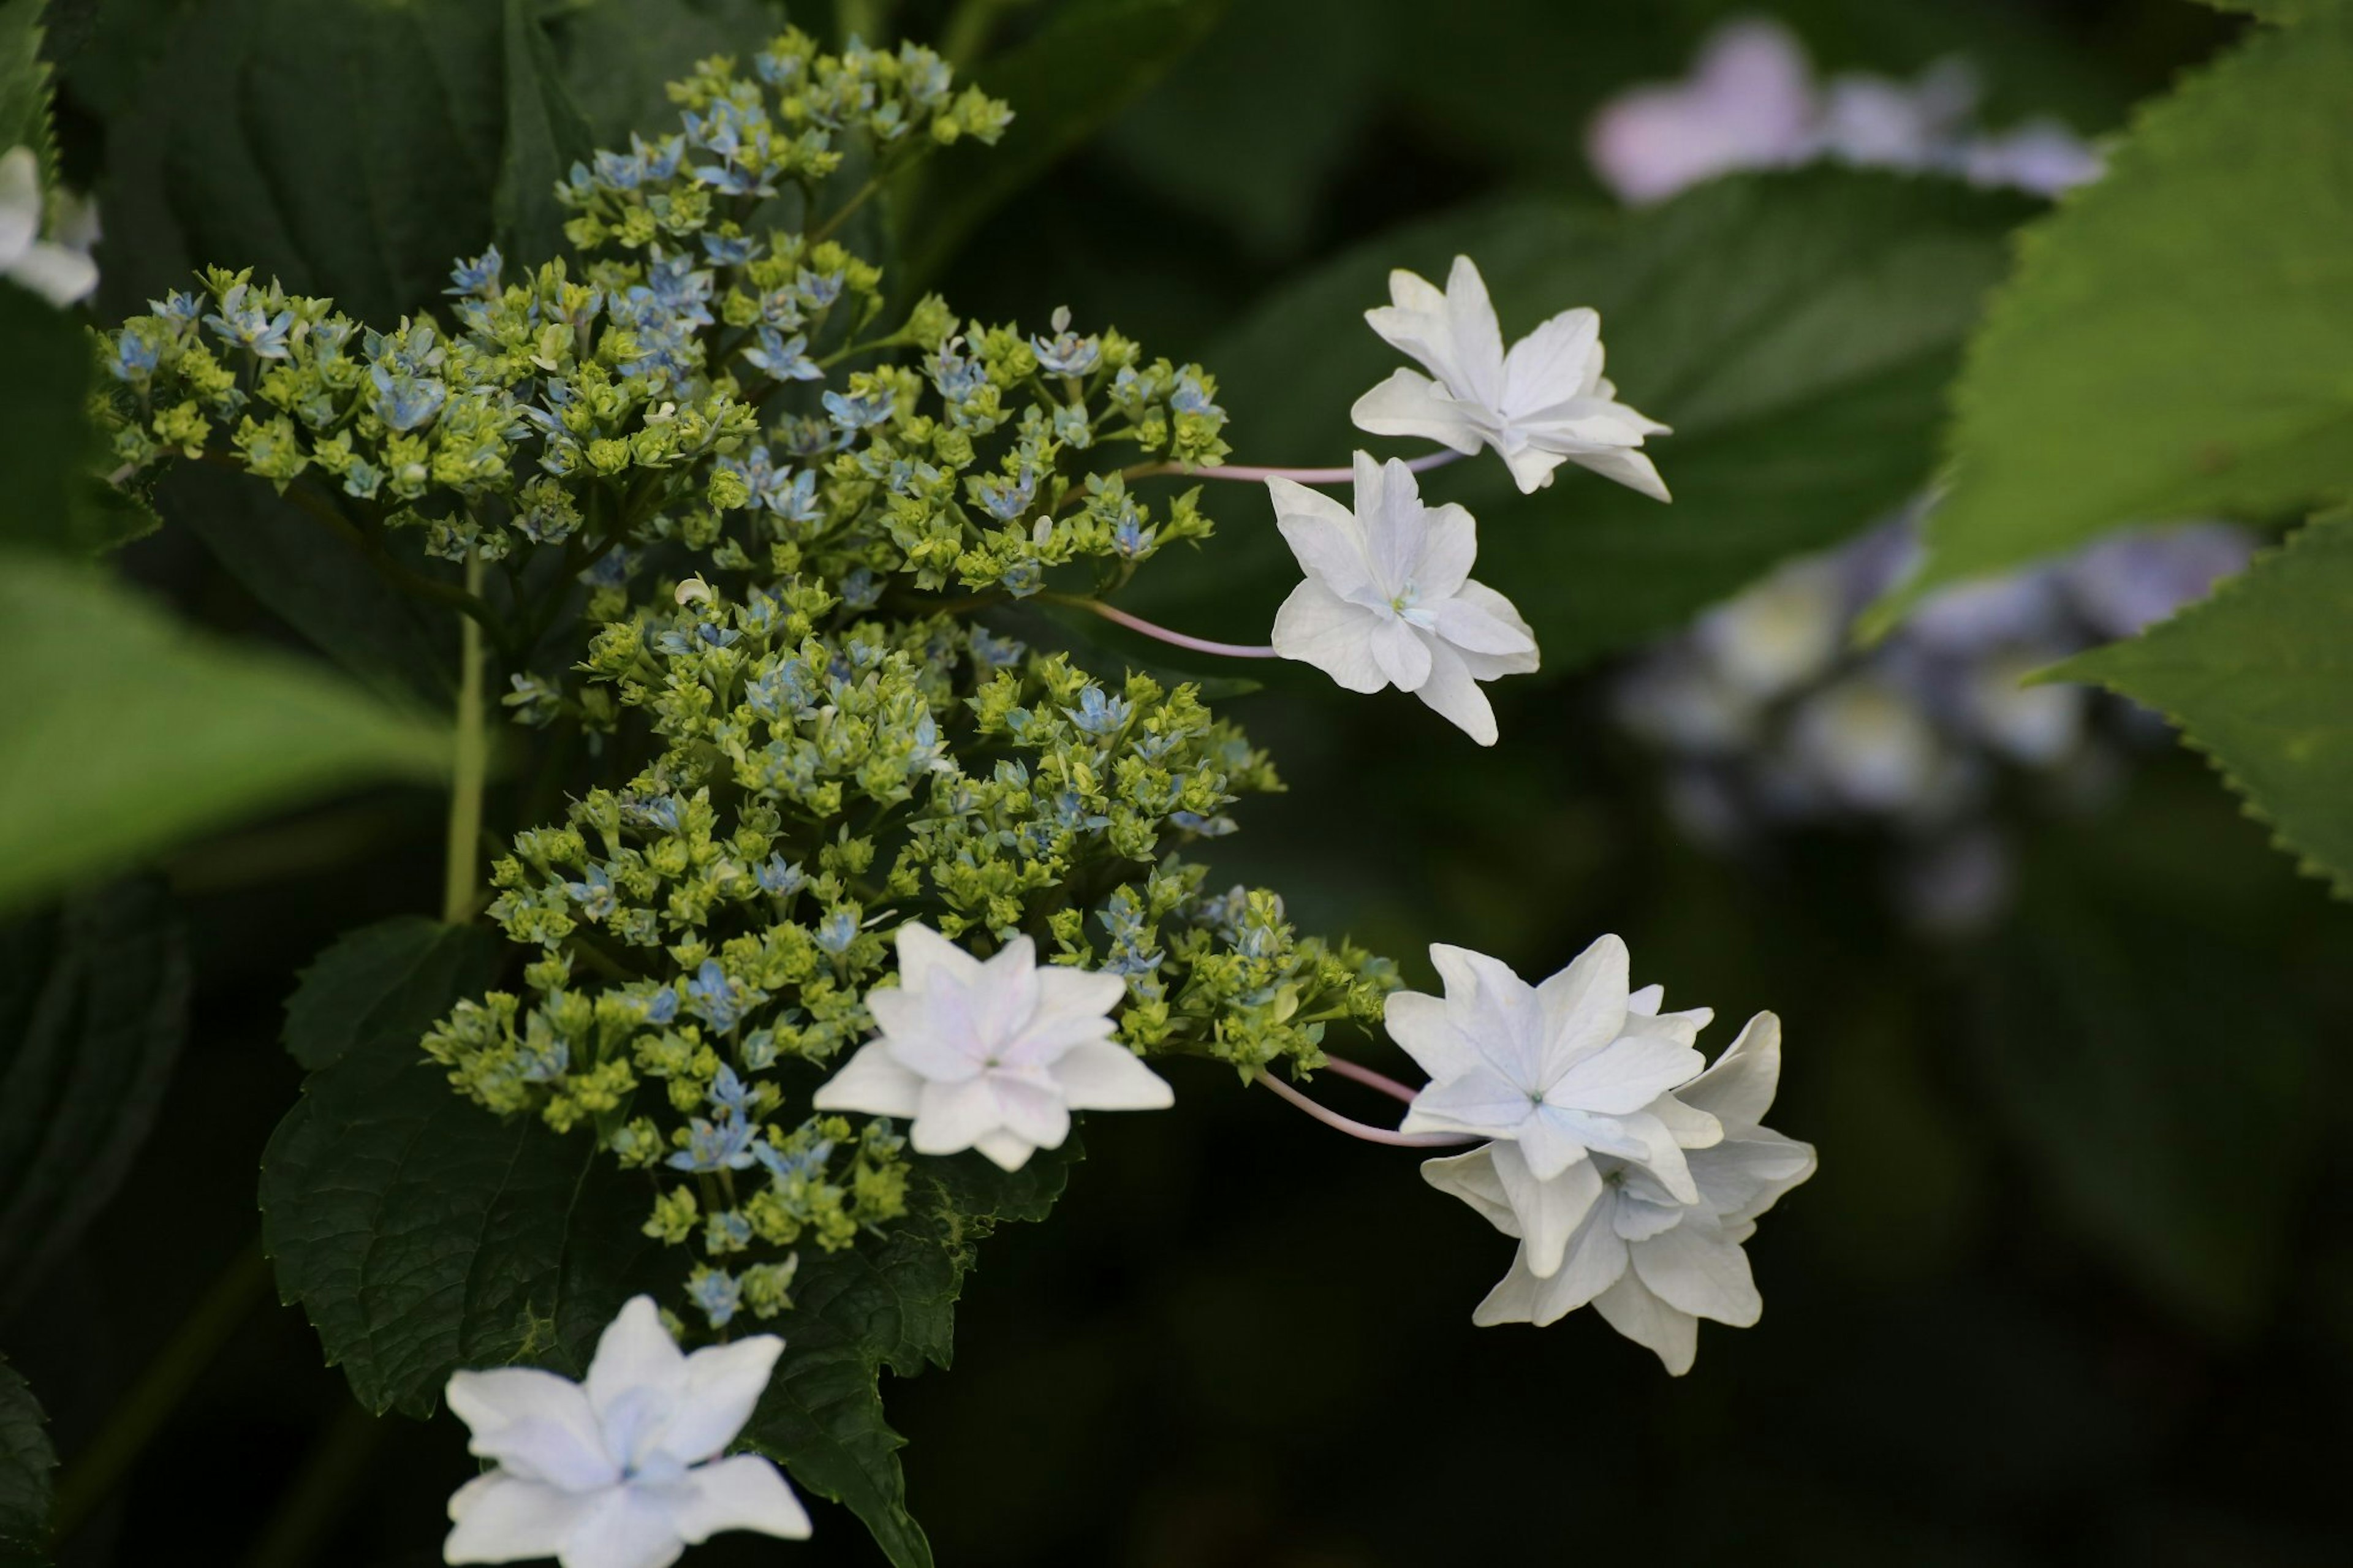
622,1472
1652,1264
993,1056
1388,599
59,273
1543,403
1574,1067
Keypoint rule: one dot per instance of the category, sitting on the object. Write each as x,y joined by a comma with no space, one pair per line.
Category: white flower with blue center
991,1056
1652,1261
1544,404
622,1472
1388,599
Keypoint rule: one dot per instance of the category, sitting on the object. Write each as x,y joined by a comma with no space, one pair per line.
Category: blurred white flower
991,1056
2038,726
1543,403
1577,1066
1867,742
1388,599
59,273
624,1471
1782,634
1652,1261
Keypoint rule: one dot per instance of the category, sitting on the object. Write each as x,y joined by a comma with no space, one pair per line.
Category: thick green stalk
472,768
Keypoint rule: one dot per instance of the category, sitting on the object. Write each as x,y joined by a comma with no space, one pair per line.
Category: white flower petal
1449,547
1005,1150
1472,1178
923,952
1690,1128
1488,666
20,204
1422,1027
630,1528
952,1117
635,1356
1480,1102
540,1427
1548,1211
746,1492
873,1082
1625,465
1628,1306
724,1384
1404,657
61,275
1471,625
1104,1075
1477,339
1323,534
1584,1006
1624,1076
1409,403
1454,696
1694,1271
1741,1178
1532,465
500,1517
1317,626
1559,360
1740,1087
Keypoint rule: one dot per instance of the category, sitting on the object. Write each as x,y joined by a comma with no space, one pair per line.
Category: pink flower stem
1370,1079
1358,1129
1248,473
1138,624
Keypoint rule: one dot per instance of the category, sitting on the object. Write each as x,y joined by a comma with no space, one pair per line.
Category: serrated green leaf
1796,331
94,1011
55,499
2260,678
381,987
421,1234
545,133
128,732
1065,82
2173,340
27,1463
887,1303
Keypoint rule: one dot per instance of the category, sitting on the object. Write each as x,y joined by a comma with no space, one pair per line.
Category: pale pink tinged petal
1694,1270
1531,466
635,1353
1473,629
1594,1259
1627,468
1101,1076
1316,627
1450,546
950,1117
500,1517
1554,362
57,274
1690,1128
1487,665
1473,1177
1479,1102
539,1425
923,952
1512,1300
871,1081
1421,1026
1005,1150
1549,1211
1583,1007
1452,694
746,1492
1403,656
724,1384
630,1528
1623,1075
20,204
1032,1109
1630,1307
1409,403
1740,1087
1478,337
1006,1000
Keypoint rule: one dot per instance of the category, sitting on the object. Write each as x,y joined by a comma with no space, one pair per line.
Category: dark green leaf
1796,331
887,1304
422,1234
128,732
619,55
545,135
2259,679
381,987
1092,59
27,1464
2171,343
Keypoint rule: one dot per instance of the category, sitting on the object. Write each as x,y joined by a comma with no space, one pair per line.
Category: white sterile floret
1543,403
1577,1066
1388,599
1650,1261
622,1472
992,1055
60,274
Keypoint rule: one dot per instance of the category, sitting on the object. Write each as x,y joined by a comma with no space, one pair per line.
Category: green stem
968,31
472,768
866,193
100,1467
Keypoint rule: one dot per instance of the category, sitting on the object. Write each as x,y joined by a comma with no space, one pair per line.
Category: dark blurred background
2074,1282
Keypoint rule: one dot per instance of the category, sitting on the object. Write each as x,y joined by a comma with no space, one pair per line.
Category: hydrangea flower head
1543,403
622,1472
992,1055
1388,599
